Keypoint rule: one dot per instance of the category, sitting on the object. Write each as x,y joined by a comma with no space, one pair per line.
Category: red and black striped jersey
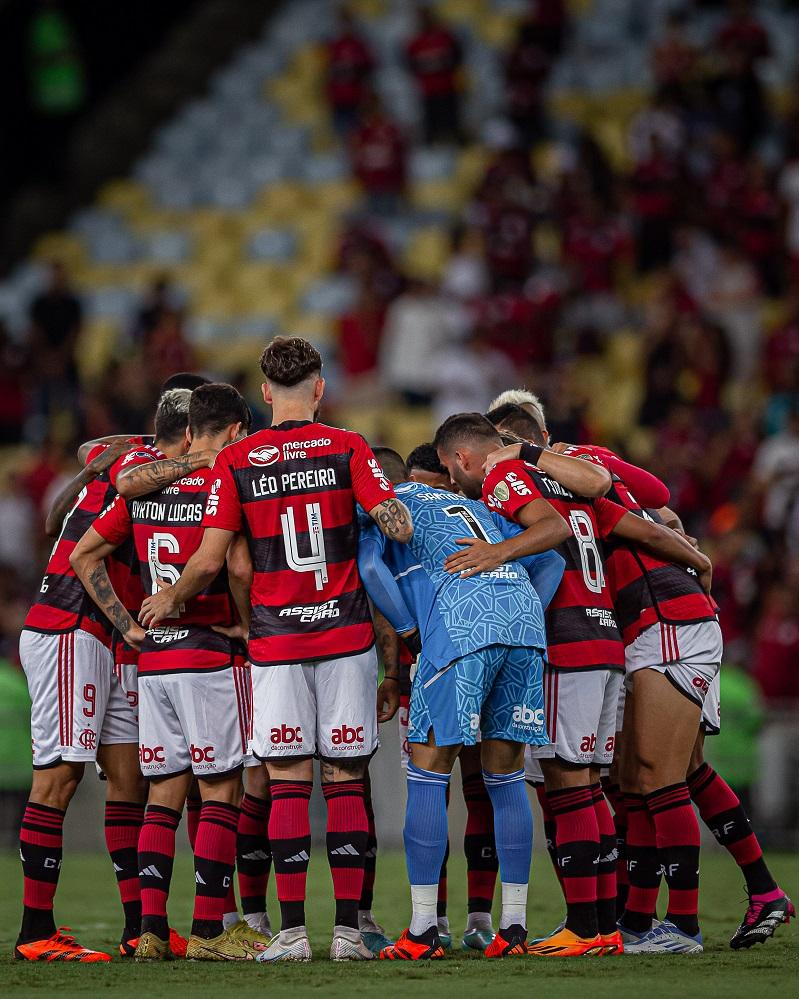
292,490
167,529
62,603
582,633
646,589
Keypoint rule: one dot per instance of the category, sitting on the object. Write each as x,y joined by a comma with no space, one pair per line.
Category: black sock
206,929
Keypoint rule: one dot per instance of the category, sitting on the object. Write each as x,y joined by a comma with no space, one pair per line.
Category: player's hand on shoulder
109,456
560,447
508,453
157,606
476,556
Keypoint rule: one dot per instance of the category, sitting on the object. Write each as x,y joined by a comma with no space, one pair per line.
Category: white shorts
77,702
194,721
326,709
620,707
688,655
580,707
710,722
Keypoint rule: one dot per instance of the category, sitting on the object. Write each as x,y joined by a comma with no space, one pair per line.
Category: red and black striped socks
479,846
253,854
618,803
643,866
723,813
347,832
290,839
214,861
41,851
370,856
123,822
606,869
677,836
156,860
577,844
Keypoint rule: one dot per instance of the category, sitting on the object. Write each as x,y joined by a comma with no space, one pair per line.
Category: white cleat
348,945
288,945
666,938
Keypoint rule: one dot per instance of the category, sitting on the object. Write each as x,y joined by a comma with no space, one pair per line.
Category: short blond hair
521,397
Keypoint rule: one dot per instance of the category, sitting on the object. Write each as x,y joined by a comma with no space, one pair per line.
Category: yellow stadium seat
496,28
313,326
426,254
439,195
471,12
403,427
96,345
63,246
125,196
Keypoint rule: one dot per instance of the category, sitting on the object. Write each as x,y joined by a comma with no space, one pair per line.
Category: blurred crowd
653,306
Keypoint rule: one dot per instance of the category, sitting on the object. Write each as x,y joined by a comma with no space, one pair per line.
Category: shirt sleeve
129,460
509,488
369,483
223,507
95,452
608,514
114,524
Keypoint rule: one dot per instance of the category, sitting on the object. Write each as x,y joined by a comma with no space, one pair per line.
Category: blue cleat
666,938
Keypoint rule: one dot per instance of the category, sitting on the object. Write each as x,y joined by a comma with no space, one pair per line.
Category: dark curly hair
289,360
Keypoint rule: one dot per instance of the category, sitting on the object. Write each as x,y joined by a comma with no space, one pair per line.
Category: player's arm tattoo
65,500
154,475
394,520
102,592
388,644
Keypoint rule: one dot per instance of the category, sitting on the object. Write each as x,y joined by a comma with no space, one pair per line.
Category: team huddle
209,624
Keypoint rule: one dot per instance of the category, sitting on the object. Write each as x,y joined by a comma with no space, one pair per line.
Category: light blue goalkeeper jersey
456,616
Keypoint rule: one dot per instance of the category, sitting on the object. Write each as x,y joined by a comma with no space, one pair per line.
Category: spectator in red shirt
349,70
359,333
654,186
744,33
594,243
777,646
377,149
434,58
760,217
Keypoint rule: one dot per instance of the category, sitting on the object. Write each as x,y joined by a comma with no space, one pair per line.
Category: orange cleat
177,945
566,944
612,943
407,948
61,946
510,942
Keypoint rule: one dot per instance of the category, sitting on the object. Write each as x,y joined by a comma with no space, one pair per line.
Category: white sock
255,920
424,899
479,921
514,905
442,922
230,919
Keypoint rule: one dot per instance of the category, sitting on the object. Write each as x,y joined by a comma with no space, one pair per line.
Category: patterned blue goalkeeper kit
492,623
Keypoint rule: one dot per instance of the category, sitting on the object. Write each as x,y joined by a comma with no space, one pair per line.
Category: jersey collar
291,424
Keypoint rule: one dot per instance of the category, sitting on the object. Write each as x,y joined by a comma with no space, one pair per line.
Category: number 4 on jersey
316,562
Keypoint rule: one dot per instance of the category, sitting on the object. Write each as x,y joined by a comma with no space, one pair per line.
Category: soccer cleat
565,944
478,938
348,945
558,928
666,938
259,921
426,947
761,921
632,936
510,942
288,945
228,946
177,944
375,937
150,947
61,946
251,938
612,943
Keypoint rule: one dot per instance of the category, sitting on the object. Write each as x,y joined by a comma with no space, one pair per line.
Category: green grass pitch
87,901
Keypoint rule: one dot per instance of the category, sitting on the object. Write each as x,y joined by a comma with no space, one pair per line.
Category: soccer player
585,662
648,591
194,691
82,713
480,668
292,490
